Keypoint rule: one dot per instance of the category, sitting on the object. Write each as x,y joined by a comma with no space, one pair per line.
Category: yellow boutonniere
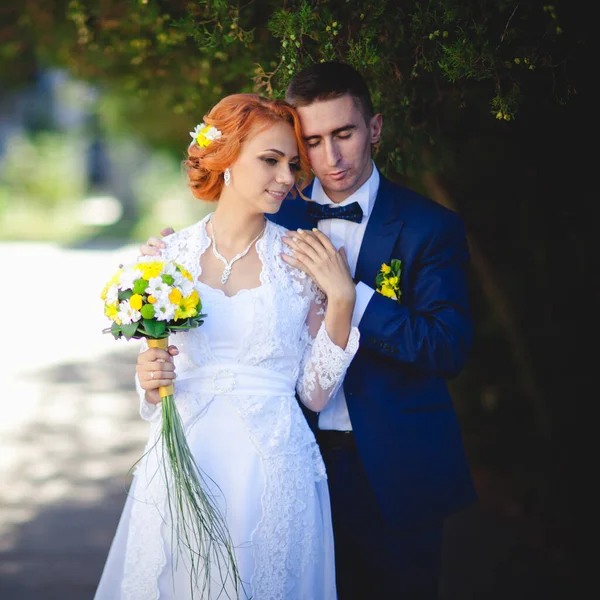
387,281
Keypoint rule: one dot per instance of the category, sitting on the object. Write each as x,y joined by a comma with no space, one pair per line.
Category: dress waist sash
235,379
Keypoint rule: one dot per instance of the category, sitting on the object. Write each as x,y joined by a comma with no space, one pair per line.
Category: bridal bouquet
151,299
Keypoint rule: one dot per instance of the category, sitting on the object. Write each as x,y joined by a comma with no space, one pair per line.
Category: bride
270,332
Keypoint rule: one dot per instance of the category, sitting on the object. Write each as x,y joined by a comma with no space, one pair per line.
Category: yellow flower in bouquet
151,299
387,281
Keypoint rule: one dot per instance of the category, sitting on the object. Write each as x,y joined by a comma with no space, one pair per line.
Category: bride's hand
314,254
154,245
155,368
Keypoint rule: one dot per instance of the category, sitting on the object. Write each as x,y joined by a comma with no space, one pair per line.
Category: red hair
235,117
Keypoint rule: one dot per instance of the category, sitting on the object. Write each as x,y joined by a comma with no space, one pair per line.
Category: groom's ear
375,127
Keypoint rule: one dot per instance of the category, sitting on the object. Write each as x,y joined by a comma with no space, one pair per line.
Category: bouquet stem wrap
199,528
164,390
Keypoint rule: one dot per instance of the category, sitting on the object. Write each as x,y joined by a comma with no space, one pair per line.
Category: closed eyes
314,144
273,162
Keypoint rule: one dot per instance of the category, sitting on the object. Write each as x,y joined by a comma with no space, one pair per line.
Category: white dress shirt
350,235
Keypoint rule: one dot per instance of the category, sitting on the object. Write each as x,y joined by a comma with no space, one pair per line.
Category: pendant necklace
229,264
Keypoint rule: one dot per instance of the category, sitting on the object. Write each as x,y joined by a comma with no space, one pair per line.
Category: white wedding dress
237,376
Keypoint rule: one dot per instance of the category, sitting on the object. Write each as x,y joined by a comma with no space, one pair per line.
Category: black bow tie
350,212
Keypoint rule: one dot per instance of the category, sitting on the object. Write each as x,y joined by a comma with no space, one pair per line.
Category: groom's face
338,141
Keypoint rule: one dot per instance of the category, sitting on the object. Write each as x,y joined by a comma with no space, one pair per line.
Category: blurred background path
70,431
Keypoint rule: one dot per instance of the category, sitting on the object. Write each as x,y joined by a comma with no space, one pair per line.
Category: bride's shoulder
187,232
275,235
301,283
185,240
278,230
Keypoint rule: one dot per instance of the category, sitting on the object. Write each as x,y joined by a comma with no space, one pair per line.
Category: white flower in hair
204,134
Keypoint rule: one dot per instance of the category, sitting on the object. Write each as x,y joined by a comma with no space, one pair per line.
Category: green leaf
125,295
154,328
396,265
115,329
379,279
129,330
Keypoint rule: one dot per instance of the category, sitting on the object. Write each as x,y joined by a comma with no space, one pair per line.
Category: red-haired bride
270,332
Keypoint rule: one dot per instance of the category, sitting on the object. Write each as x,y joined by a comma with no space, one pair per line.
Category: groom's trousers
373,561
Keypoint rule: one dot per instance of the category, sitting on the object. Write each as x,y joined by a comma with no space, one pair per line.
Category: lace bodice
278,326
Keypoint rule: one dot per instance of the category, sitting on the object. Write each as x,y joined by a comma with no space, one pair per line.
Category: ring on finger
151,374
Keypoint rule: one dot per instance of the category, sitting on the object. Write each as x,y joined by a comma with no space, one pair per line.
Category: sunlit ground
69,428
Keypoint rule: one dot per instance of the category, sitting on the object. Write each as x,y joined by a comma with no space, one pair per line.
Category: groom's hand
154,245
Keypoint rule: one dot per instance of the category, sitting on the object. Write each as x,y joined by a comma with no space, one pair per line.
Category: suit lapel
308,222
380,236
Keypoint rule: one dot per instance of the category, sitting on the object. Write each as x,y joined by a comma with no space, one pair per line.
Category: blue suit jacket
402,414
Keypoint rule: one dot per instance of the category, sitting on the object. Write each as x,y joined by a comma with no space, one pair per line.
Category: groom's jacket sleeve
431,328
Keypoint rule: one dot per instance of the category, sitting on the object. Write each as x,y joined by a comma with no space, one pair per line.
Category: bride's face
266,169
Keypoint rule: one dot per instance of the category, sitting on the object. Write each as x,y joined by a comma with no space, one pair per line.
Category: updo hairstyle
236,116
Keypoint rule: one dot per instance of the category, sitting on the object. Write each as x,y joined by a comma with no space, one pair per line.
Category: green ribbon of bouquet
198,524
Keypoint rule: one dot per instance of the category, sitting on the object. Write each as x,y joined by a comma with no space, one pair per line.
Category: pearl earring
227,176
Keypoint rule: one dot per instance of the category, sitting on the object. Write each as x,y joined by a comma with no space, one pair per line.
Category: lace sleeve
324,364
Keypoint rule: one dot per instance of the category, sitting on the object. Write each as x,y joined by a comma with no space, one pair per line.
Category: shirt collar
365,195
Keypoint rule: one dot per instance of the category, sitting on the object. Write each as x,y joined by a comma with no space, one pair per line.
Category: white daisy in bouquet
151,299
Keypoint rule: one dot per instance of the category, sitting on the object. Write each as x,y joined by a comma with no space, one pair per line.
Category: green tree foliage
424,61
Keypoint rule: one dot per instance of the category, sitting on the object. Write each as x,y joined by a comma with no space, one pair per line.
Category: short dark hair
327,80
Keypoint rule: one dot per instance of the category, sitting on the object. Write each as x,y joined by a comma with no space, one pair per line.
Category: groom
390,438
